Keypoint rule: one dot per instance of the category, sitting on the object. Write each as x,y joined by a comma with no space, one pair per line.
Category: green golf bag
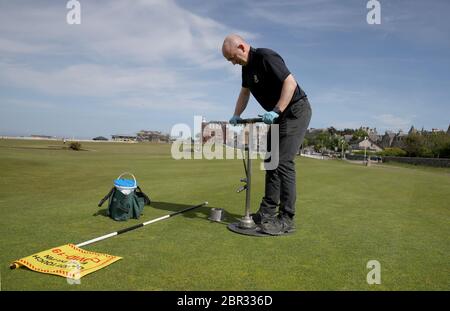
125,206
126,199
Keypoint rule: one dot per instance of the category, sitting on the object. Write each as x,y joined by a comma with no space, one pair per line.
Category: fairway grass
347,214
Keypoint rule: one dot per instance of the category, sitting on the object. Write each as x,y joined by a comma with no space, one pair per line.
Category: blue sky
148,64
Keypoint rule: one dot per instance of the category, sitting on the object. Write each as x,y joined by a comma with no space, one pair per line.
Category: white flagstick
109,235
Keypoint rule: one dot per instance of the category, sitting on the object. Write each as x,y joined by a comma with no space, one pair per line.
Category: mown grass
347,214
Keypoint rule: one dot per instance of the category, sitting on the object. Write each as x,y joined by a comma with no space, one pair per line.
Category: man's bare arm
289,86
242,101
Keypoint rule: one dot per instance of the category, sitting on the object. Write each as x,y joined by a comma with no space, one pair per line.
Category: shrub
445,151
394,152
368,152
75,146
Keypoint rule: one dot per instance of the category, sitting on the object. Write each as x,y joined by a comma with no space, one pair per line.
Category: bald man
266,77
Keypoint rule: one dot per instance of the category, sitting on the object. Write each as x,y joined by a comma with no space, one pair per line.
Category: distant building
216,132
124,137
260,132
219,132
348,138
367,144
152,136
390,139
43,136
399,140
412,130
387,139
101,138
372,134
375,138
315,131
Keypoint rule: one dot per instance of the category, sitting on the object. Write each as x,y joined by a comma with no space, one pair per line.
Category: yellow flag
67,261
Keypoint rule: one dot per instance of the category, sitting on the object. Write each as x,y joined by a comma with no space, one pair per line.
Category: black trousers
280,187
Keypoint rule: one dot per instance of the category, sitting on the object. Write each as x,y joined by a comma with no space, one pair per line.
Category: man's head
235,49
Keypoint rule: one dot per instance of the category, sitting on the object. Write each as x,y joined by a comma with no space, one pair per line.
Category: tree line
415,144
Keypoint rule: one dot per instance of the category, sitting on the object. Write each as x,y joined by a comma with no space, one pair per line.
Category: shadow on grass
204,211
101,212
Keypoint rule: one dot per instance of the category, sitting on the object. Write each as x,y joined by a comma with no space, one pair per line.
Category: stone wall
419,161
360,157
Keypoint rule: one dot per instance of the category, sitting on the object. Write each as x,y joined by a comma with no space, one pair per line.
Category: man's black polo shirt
264,75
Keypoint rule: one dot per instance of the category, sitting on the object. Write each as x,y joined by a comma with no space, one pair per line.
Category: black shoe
259,217
279,225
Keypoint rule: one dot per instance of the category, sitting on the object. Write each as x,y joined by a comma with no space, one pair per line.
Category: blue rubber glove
234,120
269,117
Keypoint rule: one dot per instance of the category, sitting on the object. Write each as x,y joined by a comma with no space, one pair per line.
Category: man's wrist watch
277,110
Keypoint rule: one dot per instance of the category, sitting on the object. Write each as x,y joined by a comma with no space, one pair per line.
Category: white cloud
144,88
197,103
421,22
13,46
87,79
315,14
147,54
28,103
145,32
349,108
394,122
341,96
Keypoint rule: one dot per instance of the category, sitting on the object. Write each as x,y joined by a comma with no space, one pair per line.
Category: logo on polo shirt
255,78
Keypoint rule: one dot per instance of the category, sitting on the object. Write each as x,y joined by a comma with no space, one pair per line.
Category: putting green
347,215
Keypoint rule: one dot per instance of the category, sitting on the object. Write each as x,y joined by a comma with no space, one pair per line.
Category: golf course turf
347,214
